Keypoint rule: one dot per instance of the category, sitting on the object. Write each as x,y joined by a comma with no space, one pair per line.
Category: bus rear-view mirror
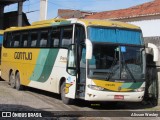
88,49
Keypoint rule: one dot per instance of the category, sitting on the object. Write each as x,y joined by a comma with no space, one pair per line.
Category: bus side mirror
71,60
88,49
155,51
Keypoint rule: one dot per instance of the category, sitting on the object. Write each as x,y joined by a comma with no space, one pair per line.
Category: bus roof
86,22
1,32
39,24
108,23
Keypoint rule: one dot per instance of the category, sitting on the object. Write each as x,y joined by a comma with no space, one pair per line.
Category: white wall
149,28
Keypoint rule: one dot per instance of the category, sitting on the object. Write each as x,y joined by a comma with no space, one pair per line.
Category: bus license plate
119,97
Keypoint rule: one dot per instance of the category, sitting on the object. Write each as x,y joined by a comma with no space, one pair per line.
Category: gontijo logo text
23,55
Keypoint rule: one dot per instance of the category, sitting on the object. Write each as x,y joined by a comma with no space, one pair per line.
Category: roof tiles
146,9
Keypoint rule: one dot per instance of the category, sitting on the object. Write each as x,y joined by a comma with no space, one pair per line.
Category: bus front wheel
17,80
12,80
65,99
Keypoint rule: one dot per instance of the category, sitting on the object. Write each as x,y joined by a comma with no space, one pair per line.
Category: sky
31,7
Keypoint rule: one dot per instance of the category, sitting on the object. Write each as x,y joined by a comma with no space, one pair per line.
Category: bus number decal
5,55
23,55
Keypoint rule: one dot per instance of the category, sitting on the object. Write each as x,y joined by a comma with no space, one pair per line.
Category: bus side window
43,38
43,42
80,39
66,36
7,40
24,41
55,37
56,43
34,39
79,34
16,40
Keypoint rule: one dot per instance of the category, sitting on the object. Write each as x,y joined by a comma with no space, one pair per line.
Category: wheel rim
12,81
65,99
17,82
63,92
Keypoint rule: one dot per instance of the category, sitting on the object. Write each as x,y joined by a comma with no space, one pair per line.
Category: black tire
65,100
155,92
12,80
18,83
152,89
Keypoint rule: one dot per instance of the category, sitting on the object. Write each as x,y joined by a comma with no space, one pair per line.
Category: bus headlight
141,89
94,87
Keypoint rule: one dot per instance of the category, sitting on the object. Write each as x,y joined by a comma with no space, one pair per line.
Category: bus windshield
115,62
112,59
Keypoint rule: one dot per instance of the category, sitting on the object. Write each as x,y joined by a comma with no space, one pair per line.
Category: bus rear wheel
65,100
17,80
12,80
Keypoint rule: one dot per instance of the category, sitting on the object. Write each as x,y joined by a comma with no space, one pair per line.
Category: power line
29,6
31,3
60,5
67,7
32,11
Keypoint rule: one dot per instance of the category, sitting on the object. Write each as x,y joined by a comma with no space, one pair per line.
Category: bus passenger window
55,36
25,43
44,38
43,42
16,40
33,43
67,36
56,43
7,40
24,40
79,34
34,39
66,42
16,44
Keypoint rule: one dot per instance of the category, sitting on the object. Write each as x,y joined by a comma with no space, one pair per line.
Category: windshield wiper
108,76
134,80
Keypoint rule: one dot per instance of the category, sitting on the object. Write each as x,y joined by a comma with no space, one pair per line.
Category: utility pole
1,16
43,9
20,4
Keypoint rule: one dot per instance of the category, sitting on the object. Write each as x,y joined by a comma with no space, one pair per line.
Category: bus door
75,84
71,80
81,60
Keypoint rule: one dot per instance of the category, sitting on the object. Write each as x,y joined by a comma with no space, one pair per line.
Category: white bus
94,60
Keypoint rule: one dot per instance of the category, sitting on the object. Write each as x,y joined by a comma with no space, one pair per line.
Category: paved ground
36,100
